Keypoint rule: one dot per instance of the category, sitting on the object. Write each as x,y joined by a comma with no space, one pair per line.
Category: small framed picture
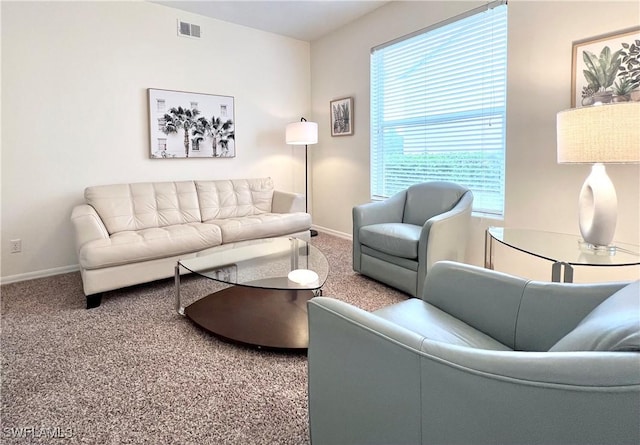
605,68
341,111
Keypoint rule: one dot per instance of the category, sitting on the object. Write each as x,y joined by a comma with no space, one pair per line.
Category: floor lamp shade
302,133
599,134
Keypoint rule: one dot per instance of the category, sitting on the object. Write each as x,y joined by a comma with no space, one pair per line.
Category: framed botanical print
341,111
606,68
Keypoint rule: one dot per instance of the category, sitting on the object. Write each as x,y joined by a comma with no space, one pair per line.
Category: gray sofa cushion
614,325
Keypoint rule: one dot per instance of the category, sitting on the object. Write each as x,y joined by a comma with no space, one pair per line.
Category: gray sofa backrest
428,199
525,315
549,311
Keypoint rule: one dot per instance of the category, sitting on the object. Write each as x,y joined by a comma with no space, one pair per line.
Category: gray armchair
482,358
396,241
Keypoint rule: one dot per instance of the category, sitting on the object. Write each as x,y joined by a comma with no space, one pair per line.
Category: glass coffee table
270,281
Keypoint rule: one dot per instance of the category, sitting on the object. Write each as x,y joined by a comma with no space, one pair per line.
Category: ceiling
302,20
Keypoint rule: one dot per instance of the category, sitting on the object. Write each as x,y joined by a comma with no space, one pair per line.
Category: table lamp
303,133
599,134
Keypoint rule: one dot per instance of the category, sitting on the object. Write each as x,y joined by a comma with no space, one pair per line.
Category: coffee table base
266,318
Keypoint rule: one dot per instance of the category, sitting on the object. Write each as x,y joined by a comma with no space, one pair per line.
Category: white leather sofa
128,234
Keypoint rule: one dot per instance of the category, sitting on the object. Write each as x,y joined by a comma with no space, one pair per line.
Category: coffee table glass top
263,263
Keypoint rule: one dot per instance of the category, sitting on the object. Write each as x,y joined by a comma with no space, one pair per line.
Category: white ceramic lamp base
598,207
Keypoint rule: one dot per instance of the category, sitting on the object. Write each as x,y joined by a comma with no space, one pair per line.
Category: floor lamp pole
306,186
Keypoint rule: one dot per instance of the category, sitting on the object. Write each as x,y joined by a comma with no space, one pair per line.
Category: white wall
74,110
540,194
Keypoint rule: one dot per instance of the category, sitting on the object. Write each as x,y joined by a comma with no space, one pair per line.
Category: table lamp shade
600,133
302,133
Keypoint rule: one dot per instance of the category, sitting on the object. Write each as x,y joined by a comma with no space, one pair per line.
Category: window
438,108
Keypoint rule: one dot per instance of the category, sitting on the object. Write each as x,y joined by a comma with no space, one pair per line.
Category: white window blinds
438,106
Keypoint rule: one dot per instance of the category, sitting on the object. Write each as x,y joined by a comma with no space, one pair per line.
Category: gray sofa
482,358
128,234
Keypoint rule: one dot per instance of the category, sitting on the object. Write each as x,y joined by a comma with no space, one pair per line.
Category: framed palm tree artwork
190,125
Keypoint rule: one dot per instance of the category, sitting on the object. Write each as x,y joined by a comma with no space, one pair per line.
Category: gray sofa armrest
364,377
88,225
287,202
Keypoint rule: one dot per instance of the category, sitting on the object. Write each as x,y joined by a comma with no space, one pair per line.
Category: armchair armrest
88,225
364,377
446,234
387,211
287,202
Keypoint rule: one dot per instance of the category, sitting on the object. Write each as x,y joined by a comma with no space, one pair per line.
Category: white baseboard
39,274
333,232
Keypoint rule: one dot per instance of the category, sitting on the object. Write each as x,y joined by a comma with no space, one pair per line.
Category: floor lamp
303,133
597,135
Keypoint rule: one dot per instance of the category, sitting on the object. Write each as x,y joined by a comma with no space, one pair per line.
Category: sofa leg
93,300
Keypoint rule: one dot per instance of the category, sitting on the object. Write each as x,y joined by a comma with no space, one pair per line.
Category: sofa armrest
287,202
364,377
87,225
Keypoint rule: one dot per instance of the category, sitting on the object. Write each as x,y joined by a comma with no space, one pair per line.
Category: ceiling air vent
188,29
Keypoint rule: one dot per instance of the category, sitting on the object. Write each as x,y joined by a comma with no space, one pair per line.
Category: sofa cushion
262,225
140,206
434,324
395,239
614,325
234,198
148,244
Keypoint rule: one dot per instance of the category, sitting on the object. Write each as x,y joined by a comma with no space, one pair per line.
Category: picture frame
341,112
617,63
190,125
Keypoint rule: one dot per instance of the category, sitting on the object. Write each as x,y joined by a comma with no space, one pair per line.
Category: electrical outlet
15,245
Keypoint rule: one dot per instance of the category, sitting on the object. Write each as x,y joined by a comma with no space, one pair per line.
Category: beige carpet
134,372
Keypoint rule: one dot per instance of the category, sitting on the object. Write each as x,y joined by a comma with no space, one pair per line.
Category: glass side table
563,250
